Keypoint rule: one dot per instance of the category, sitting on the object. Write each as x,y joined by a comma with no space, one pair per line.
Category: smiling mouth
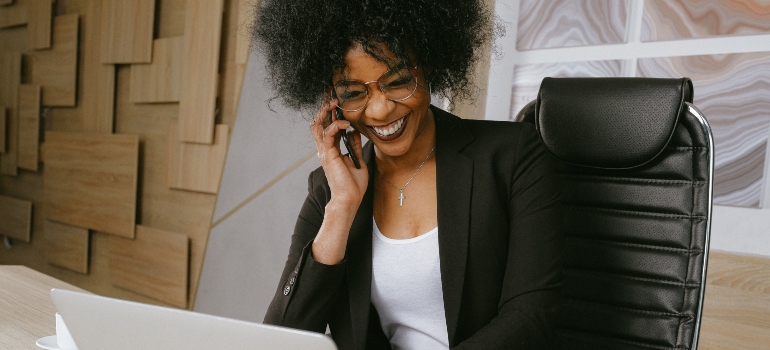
390,131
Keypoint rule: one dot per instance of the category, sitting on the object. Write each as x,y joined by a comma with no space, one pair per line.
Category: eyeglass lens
397,84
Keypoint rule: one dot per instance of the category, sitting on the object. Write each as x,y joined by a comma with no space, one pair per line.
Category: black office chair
637,162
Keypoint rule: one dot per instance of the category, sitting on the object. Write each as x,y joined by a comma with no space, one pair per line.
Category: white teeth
390,131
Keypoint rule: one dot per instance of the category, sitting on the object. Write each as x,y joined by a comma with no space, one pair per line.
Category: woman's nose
379,106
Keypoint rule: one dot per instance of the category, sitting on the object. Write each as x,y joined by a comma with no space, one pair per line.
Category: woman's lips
396,127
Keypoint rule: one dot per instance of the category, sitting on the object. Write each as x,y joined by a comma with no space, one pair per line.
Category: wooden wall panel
29,126
10,79
90,180
242,34
6,2
159,81
154,264
97,88
196,167
160,206
40,17
67,246
127,28
231,80
170,18
15,218
14,14
3,127
56,69
197,105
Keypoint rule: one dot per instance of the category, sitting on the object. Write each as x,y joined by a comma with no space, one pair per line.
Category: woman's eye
351,95
399,82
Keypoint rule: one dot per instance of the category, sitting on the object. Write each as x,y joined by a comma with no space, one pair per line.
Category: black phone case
345,140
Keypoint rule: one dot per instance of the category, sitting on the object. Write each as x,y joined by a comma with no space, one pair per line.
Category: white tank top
406,290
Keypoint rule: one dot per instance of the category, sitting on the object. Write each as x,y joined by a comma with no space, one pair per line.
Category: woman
446,235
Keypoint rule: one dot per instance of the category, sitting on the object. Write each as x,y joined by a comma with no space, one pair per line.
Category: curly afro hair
305,41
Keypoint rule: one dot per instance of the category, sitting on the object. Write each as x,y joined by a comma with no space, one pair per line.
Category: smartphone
346,141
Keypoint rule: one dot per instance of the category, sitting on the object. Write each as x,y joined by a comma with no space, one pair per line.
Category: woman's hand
347,183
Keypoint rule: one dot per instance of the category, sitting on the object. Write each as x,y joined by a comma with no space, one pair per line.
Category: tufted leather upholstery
636,159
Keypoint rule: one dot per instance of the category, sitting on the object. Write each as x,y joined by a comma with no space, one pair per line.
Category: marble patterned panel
527,77
733,92
564,23
669,20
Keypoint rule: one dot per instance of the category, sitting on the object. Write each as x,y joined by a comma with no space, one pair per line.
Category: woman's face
395,127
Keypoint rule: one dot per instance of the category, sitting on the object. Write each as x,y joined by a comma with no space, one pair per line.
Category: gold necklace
401,196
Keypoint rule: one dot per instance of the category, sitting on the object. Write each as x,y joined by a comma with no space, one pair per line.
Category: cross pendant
401,198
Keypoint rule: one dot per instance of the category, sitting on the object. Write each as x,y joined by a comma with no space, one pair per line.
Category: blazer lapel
454,179
359,257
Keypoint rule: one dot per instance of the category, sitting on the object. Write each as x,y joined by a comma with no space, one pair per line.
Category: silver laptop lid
98,323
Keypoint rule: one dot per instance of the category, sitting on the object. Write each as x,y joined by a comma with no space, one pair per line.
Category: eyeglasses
397,85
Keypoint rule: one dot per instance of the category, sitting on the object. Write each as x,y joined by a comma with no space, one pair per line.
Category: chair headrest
610,123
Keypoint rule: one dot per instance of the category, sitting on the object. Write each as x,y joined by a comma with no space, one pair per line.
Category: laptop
98,323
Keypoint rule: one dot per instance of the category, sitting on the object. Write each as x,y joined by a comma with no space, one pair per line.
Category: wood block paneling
197,104
15,218
29,126
160,206
14,14
97,88
127,31
56,69
10,79
243,36
155,264
3,127
39,16
159,80
170,16
90,180
196,167
67,246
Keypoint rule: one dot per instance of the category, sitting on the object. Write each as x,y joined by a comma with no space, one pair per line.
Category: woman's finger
331,135
356,144
317,125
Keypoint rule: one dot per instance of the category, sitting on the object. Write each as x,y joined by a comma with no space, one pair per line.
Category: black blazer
499,246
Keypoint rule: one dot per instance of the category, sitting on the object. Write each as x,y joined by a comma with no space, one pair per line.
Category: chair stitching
679,330
630,310
632,180
636,245
686,147
637,213
636,278
614,238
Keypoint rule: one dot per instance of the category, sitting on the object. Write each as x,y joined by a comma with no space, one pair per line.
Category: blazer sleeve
530,292
305,294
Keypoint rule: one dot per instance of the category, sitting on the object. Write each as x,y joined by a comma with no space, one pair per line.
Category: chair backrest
637,161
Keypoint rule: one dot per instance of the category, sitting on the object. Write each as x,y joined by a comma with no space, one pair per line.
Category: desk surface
26,310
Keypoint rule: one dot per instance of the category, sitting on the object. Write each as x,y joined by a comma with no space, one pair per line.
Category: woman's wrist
332,238
341,208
